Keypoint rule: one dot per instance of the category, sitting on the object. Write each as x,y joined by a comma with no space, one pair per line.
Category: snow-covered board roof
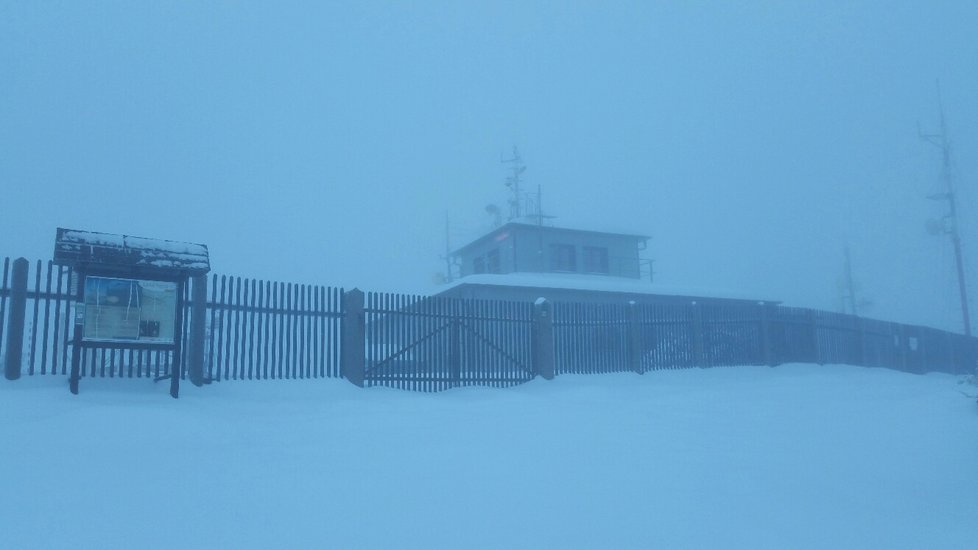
89,248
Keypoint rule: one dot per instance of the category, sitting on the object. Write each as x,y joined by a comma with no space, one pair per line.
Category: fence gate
432,344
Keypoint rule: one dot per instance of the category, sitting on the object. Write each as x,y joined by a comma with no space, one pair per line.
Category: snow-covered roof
73,248
519,224
600,283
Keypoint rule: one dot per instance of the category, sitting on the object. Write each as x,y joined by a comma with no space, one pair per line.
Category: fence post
78,312
922,348
861,342
971,356
634,338
353,330
904,346
15,325
176,367
767,350
198,335
813,327
543,339
455,341
699,358
949,345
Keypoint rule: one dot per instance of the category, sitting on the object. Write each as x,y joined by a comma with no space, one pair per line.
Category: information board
128,310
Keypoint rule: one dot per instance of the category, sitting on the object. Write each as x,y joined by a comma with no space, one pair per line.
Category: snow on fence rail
256,330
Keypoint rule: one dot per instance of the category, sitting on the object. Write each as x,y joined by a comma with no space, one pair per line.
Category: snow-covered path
798,456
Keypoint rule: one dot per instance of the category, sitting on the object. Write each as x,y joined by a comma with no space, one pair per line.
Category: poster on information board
128,310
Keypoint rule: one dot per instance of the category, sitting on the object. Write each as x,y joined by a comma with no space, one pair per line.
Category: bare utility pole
950,221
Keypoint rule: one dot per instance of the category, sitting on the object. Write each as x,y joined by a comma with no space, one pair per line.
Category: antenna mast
850,285
513,182
448,249
950,225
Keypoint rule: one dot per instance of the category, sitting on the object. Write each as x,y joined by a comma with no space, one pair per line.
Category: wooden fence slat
304,358
239,371
310,343
4,290
291,290
260,367
209,332
278,323
297,328
247,327
312,331
327,343
265,298
278,294
34,318
57,321
286,321
223,365
47,319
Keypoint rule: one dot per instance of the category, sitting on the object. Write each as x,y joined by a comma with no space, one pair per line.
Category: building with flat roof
518,247
521,261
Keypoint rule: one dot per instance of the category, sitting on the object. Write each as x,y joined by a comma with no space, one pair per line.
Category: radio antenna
513,182
949,225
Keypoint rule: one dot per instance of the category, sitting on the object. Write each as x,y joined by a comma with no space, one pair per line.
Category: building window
563,257
479,265
595,259
494,265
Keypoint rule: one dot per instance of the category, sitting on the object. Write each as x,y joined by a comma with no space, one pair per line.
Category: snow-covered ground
797,456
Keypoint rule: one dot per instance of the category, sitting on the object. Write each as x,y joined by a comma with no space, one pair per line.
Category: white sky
324,143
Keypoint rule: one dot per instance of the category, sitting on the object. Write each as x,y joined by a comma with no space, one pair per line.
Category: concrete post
544,364
922,345
175,368
861,358
198,333
455,341
634,338
951,359
353,330
767,343
904,346
76,349
813,327
699,355
16,320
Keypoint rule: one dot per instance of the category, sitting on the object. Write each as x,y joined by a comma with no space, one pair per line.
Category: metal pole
15,325
942,142
952,204
850,285
962,290
448,249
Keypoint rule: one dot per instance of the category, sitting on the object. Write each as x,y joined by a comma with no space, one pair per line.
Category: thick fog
318,143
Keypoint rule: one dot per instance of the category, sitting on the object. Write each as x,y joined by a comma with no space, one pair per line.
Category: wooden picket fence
594,338
254,330
257,330
266,330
